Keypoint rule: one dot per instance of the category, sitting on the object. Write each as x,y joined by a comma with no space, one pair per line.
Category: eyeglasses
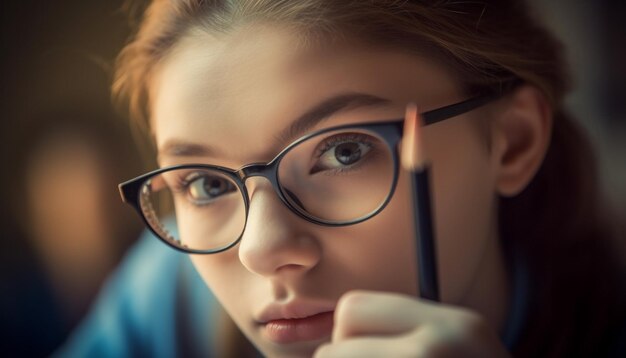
334,177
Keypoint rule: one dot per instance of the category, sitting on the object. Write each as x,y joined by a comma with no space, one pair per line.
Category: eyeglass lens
336,177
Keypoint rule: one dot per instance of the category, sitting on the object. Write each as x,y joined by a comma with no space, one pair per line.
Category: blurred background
63,149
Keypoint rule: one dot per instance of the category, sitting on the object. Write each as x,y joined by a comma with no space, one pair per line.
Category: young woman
312,254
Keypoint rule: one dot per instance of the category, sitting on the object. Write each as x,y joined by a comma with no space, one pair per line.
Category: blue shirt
155,305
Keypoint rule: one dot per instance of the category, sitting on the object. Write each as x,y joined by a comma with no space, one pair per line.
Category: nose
276,241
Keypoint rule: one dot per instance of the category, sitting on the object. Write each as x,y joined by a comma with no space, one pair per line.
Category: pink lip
297,321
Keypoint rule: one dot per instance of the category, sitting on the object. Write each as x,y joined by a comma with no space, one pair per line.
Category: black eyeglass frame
390,131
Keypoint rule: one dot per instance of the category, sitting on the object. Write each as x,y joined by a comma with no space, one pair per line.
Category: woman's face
230,96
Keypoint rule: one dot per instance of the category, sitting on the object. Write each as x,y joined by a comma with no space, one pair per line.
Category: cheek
463,200
464,211
219,272
379,253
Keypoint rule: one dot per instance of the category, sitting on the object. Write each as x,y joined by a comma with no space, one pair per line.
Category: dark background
55,72
56,67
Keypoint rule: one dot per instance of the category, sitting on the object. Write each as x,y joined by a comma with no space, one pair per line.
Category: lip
296,321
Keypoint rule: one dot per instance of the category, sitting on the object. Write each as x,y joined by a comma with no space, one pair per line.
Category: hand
378,324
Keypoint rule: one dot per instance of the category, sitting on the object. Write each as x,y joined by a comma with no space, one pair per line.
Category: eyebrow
317,114
325,110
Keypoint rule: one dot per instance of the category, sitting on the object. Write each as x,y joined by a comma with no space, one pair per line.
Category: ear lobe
521,136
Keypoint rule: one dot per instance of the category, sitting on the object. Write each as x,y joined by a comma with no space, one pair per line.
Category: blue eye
204,189
342,152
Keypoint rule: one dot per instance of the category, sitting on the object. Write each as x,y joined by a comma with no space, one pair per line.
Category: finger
369,347
378,313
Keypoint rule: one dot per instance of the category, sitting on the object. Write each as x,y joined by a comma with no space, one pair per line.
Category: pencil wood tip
412,152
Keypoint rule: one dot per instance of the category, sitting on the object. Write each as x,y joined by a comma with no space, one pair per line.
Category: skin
246,86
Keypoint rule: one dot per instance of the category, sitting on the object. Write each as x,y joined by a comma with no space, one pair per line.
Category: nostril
290,267
278,249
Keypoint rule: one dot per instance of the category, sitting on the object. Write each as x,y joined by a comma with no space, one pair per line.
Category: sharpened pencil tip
412,151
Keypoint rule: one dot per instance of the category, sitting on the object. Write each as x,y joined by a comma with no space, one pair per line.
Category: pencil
414,162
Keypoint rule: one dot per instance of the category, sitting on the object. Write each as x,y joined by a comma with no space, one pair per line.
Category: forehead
245,86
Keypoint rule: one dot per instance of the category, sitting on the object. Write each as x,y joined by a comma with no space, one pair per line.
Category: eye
204,189
342,152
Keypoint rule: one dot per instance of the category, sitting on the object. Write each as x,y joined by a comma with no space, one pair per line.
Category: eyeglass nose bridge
267,171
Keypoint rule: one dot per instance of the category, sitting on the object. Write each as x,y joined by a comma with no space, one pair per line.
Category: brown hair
556,223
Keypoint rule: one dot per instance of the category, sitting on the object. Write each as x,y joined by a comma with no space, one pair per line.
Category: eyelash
182,183
342,138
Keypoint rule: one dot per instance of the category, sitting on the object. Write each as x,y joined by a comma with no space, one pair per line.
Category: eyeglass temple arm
456,109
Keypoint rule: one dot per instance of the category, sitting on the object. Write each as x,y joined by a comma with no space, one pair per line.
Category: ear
521,135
